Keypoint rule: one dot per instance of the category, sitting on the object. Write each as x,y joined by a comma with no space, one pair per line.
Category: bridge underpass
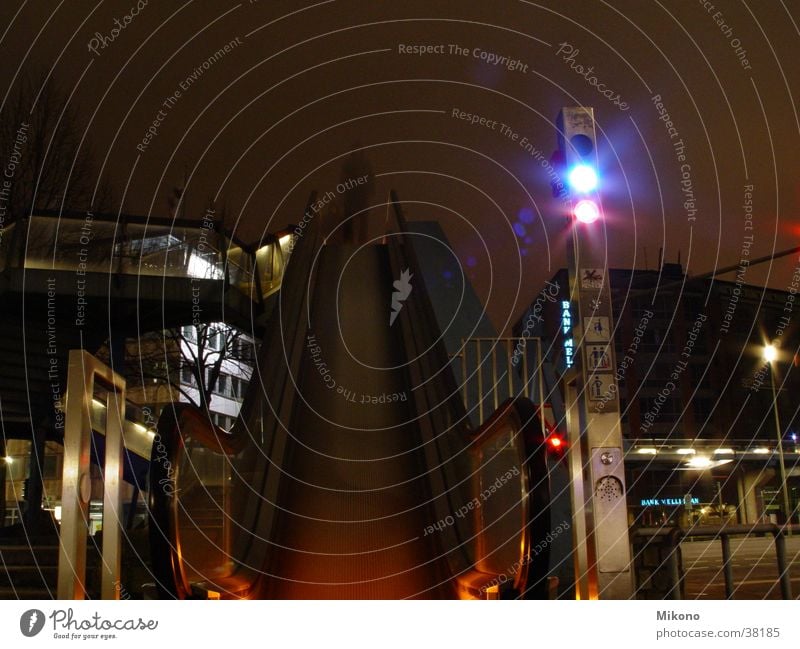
82,281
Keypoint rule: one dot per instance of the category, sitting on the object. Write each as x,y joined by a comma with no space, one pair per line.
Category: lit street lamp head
770,353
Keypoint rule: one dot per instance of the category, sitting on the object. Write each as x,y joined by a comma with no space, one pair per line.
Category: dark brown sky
273,118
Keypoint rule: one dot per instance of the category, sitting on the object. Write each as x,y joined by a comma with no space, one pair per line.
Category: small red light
586,211
556,443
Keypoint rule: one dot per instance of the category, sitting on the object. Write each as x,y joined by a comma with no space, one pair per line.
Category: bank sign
655,502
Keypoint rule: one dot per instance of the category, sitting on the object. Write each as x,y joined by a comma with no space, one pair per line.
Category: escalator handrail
283,345
428,372
525,416
531,578
177,423
421,300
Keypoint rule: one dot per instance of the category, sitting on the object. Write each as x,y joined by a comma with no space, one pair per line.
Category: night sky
302,84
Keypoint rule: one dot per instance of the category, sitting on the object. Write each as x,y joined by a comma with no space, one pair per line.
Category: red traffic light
555,443
586,211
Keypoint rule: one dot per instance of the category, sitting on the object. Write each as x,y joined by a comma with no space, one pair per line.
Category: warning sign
592,278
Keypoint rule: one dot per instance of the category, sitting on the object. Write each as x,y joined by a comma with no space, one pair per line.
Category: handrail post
674,565
783,569
727,566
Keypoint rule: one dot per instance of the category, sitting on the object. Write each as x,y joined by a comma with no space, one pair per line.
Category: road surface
755,570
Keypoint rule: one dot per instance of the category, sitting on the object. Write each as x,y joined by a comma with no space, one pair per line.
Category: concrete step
28,576
26,593
24,555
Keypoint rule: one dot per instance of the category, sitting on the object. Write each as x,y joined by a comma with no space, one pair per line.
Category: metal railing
496,369
673,536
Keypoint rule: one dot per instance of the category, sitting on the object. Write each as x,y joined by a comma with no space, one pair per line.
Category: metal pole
727,566
111,570
495,388
510,377
540,381
464,373
526,389
479,369
674,570
76,489
584,587
779,432
783,569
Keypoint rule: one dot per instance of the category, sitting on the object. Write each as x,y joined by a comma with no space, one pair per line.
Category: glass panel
69,244
499,504
240,270
270,259
171,251
204,526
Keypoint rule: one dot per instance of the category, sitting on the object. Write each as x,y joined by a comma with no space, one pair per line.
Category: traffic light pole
598,490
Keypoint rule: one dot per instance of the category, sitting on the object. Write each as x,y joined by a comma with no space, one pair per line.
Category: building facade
696,393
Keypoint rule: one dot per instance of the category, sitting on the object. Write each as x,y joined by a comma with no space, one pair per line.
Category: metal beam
83,373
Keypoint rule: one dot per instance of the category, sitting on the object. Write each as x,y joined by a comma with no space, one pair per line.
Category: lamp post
771,356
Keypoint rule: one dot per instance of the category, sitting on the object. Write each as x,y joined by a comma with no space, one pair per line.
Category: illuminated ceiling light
723,451
8,459
761,450
586,211
686,451
700,462
770,353
647,451
583,178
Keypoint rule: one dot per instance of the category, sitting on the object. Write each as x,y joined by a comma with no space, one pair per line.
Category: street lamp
771,356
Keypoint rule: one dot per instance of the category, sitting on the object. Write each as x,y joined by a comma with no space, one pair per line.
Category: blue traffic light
583,178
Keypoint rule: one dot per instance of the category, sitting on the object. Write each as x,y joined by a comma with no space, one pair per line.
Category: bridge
79,280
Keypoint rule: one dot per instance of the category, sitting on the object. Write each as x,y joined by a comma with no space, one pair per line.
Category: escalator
352,472
354,495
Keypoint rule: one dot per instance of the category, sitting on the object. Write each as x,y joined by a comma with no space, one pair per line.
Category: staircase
28,571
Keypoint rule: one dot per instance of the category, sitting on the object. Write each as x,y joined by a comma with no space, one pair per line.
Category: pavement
755,571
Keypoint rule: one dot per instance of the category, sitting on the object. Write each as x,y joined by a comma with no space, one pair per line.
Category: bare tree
199,350
47,160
